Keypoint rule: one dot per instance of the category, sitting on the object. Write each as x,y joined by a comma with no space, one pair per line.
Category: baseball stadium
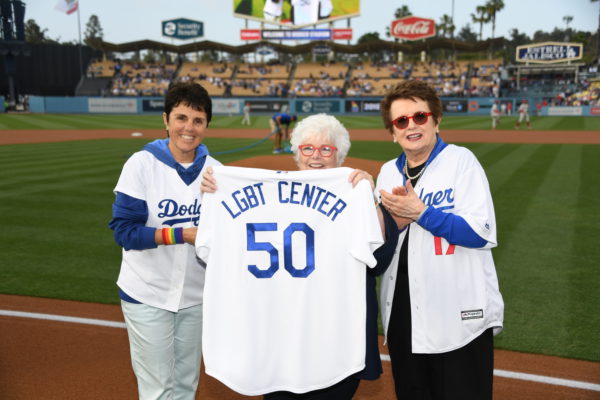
73,114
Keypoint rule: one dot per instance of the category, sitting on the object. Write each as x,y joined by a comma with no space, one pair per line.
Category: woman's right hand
209,183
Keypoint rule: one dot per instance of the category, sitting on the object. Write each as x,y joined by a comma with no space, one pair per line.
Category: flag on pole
67,6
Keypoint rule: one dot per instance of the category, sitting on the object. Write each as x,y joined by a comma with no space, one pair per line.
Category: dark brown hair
410,90
190,94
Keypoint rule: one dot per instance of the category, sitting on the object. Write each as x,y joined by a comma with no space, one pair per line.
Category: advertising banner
317,106
112,105
413,28
271,106
182,28
250,34
157,105
564,111
299,34
296,13
361,106
226,106
549,52
455,106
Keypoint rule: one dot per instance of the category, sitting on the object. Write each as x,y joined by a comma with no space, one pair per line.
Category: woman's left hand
357,175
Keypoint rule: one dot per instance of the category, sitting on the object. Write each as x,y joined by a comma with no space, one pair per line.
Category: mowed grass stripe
531,248
583,274
154,121
58,178
53,165
500,166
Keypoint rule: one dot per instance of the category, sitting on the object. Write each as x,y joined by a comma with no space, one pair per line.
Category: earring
394,139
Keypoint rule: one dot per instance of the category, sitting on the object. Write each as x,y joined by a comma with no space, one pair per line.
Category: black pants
343,390
462,374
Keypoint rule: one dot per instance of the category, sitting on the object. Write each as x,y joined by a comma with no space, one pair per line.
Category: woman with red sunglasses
440,301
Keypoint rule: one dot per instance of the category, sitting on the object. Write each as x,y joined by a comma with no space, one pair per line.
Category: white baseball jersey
284,298
524,112
272,10
524,108
454,293
166,277
305,11
494,111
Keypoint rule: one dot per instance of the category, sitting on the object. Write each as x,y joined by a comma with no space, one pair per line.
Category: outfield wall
268,105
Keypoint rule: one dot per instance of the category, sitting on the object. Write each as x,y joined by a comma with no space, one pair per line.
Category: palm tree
446,27
482,17
493,7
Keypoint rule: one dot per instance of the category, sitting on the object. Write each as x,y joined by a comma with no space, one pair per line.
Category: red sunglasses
420,118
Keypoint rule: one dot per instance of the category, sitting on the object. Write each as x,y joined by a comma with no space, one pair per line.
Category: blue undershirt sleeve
451,227
129,216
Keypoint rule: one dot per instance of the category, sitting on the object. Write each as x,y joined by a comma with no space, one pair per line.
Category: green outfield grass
55,203
87,121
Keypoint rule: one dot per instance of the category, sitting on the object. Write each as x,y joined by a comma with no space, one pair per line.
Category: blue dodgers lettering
172,209
173,212
438,198
245,199
311,196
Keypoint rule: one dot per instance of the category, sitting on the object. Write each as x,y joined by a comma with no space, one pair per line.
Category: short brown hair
412,89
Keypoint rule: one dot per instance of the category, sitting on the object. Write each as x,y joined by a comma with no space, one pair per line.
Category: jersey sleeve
366,233
132,181
204,236
474,202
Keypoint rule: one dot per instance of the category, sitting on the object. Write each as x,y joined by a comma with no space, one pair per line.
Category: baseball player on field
440,301
523,111
155,218
280,127
495,114
303,370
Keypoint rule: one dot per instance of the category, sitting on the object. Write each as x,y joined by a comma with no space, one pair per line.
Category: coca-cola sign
413,28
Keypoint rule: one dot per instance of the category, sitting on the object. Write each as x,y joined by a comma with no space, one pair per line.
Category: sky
131,20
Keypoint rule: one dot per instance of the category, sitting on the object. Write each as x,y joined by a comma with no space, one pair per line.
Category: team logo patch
471,314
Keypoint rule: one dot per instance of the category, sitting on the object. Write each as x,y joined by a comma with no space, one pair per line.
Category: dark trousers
462,374
343,390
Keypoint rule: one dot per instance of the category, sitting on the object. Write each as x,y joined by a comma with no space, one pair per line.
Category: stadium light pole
79,30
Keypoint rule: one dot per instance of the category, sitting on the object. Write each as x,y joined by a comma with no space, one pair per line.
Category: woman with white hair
320,142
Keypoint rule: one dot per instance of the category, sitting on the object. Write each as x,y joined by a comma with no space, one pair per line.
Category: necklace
406,171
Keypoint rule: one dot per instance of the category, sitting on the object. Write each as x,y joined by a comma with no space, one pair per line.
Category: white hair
323,126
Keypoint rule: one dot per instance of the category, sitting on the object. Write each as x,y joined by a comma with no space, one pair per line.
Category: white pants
166,350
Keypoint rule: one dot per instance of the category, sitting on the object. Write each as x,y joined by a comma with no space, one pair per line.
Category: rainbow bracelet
172,236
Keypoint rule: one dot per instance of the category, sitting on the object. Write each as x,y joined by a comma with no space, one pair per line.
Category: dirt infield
45,359
41,359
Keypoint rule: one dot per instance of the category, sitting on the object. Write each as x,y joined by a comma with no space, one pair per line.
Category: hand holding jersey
318,142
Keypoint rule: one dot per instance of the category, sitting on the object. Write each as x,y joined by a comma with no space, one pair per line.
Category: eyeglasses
420,118
325,150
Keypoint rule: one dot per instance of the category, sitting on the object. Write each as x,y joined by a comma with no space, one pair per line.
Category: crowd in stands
331,79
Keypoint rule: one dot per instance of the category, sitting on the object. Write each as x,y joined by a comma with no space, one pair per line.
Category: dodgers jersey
454,294
166,277
284,297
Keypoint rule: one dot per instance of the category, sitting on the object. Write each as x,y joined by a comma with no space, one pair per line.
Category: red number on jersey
438,247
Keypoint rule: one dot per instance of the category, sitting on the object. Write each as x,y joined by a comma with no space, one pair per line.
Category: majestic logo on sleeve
179,213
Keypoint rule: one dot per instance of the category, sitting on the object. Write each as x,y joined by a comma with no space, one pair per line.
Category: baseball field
58,256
